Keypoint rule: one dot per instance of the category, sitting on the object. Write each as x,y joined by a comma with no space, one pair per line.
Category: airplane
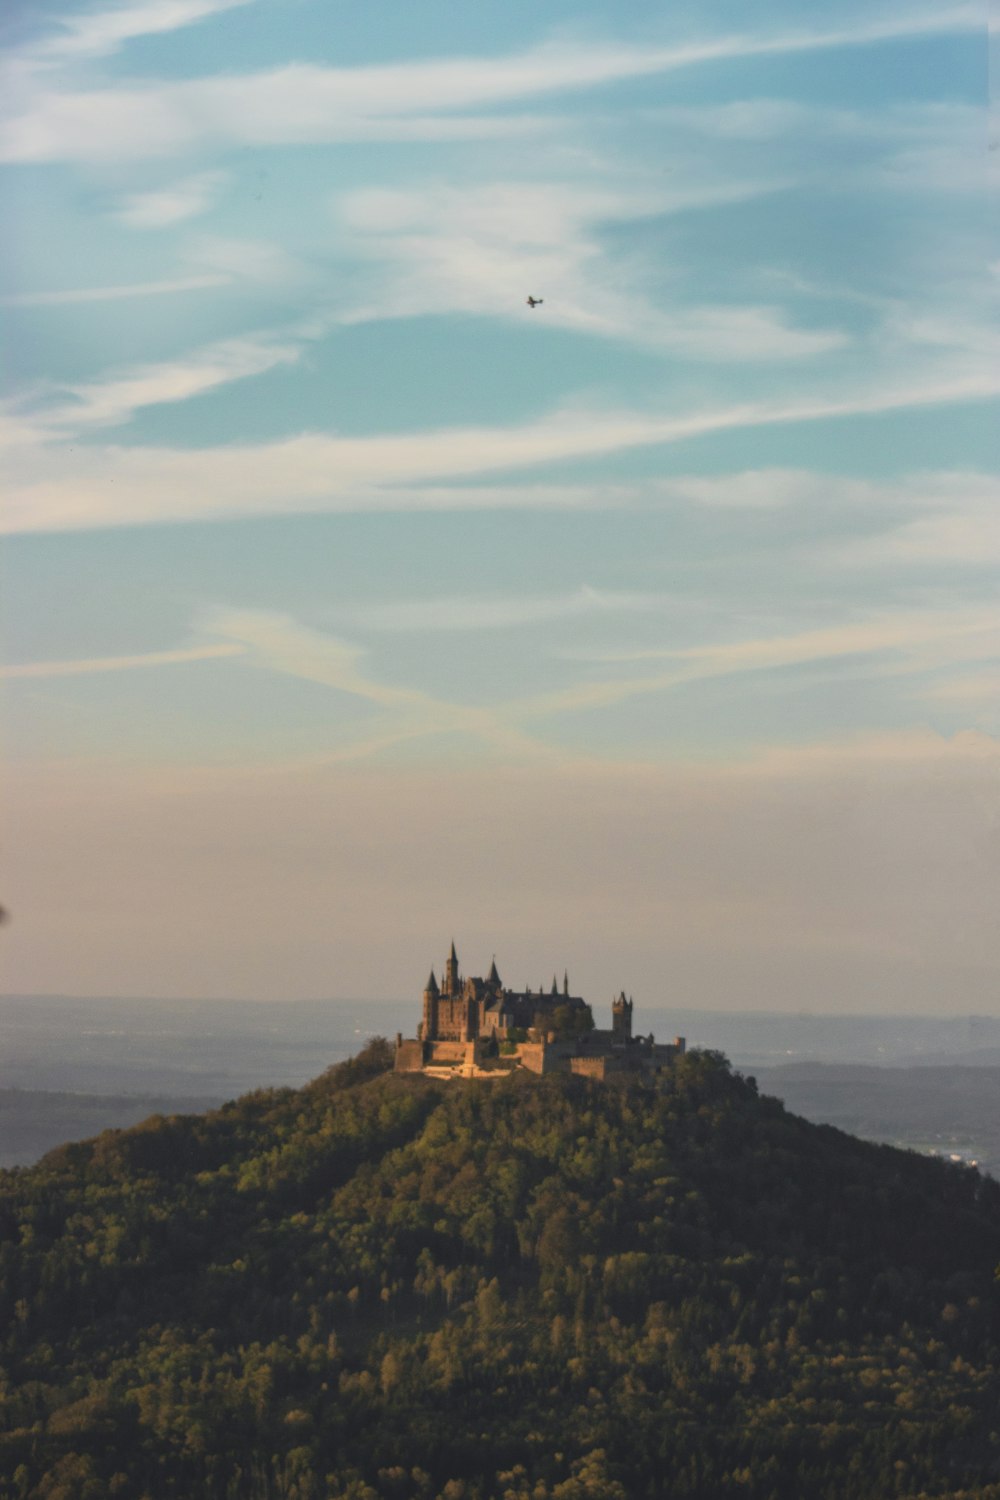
535,301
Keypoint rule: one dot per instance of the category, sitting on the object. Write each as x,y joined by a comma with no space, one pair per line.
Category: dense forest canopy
534,1289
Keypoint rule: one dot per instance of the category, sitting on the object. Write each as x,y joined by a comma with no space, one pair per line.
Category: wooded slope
381,1286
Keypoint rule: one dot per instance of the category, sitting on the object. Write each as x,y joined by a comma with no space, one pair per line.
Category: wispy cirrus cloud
970,633
946,492
967,532
66,296
172,203
901,643
893,644
475,249
51,489
486,611
951,516
304,103
978,690
96,33
210,261
278,643
71,409
95,665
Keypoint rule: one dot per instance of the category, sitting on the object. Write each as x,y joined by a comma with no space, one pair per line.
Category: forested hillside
536,1289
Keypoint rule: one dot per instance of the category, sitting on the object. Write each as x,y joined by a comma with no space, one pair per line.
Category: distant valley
72,1067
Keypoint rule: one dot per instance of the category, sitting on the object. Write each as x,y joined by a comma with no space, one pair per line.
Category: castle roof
493,977
432,985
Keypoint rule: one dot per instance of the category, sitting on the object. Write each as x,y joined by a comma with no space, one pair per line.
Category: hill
33,1121
932,1108
540,1289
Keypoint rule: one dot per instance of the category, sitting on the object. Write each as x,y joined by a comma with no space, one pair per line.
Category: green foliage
377,1056
570,1020
522,1289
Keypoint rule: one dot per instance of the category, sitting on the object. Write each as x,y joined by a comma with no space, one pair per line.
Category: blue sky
324,548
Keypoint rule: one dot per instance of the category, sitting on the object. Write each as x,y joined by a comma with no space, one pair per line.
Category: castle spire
566,982
451,972
431,987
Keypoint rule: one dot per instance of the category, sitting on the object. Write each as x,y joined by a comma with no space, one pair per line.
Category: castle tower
566,983
555,986
431,992
493,978
621,1018
451,985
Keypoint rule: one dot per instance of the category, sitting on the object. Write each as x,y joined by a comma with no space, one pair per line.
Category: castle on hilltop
479,1028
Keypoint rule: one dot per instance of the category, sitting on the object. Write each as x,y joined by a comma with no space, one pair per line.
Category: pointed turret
493,978
566,982
555,986
431,987
451,973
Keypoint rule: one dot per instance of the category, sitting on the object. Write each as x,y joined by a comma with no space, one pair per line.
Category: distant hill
33,1121
944,1108
540,1289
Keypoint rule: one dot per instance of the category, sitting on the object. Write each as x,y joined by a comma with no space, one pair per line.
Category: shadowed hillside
537,1289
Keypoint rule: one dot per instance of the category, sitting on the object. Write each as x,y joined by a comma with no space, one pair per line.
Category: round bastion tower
429,1025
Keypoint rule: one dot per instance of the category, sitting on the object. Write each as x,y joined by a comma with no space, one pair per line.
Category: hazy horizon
657,1006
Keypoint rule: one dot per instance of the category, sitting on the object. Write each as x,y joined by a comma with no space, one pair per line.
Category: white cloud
51,489
775,488
977,690
256,260
965,632
216,260
970,536
890,644
492,612
66,296
906,642
172,203
931,519
303,103
96,33
280,644
477,249
72,409
88,666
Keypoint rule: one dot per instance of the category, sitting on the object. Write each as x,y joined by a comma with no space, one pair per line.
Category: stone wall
589,1067
409,1057
532,1056
446,1052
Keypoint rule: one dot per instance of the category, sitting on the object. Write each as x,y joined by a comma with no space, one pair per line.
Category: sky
352,605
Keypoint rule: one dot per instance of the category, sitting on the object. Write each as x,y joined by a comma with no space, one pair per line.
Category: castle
479,1028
